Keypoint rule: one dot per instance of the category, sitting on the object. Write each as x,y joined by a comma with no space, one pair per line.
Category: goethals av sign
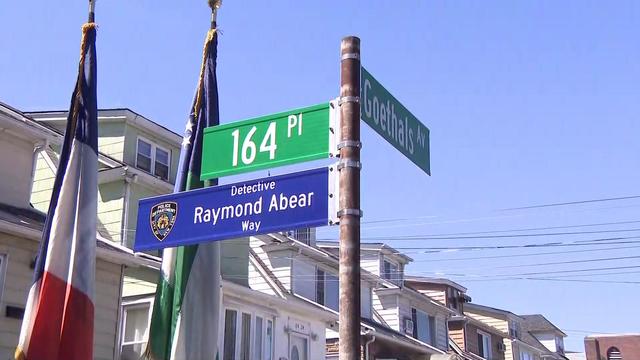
391,120
302,199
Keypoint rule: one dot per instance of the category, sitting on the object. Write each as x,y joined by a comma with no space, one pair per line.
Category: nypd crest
162,218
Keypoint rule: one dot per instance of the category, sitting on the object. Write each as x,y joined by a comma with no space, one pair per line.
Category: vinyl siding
111,139
42,188
387,308
137,192
139,281
370,261
110,207
457,333
500,324
404,311
257,281
20,252
437,295
278,262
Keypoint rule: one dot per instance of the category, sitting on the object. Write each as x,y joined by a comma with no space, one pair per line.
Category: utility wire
527,255
571,203
431,237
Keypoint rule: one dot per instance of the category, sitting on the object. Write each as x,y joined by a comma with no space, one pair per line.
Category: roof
381,329
382,247
538,323
433,280
135,118
613,335
30,218
31,221
474,306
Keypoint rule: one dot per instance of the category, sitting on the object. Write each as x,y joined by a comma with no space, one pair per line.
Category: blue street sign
246,208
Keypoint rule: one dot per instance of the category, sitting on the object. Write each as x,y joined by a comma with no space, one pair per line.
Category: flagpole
92,6
216,246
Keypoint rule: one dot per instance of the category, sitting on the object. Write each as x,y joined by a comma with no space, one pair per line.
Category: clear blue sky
529,102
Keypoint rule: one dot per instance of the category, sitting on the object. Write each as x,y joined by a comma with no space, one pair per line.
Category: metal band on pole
349,178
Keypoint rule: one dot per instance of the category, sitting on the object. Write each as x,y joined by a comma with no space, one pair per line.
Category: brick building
612,347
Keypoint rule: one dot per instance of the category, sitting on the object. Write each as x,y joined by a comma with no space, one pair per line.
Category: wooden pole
349,167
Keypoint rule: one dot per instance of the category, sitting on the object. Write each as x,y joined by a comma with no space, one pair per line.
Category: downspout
366,346
128,179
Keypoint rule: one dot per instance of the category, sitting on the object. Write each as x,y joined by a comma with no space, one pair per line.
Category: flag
186,311
58,321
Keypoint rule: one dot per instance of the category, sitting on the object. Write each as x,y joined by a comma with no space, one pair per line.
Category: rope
83,44
205,52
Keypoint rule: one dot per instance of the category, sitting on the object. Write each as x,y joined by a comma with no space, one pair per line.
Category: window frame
139,303
152,165
266,319
4,258
487,350
431,325
395,277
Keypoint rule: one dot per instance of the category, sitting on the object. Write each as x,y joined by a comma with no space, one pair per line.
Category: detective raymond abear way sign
391,120
301,199
268,141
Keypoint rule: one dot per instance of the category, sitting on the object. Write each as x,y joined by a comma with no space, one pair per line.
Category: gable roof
538,323
434,280
381,247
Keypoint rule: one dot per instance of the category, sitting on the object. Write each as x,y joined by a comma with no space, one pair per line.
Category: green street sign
268,141
389,118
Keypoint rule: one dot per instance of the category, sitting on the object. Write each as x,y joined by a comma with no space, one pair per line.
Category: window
484,345
153,159
161,165
247,337
390,271
327,289
452,298
230,317
423,326
524,355
303,235
614,354
135,329
143,159
302,283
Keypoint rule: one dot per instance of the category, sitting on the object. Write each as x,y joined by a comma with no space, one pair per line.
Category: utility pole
350,213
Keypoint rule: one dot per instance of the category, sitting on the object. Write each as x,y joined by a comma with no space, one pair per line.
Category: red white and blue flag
58,321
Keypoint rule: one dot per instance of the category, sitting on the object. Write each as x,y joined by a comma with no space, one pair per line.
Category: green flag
186,311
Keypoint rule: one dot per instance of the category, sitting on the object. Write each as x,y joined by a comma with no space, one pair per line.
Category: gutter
119,255
396,341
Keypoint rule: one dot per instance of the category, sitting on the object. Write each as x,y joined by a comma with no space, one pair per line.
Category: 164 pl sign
268,141
302,199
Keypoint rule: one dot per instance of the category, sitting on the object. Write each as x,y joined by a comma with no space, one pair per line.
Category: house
470,338
412,316
545,332
22,140
137,159
612,347
521,345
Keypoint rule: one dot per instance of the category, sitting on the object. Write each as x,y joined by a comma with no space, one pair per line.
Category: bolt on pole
350,213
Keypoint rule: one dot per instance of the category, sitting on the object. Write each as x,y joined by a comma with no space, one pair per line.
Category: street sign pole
349,205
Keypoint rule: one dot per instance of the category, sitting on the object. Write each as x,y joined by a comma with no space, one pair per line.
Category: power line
527,255
550,263
431,237
593,242
572,203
